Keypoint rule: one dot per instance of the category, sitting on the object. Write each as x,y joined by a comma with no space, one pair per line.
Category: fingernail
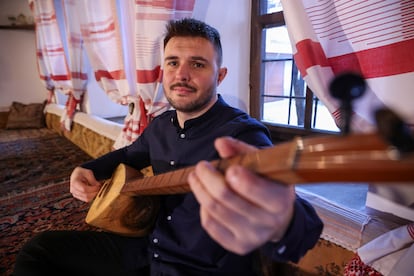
233,175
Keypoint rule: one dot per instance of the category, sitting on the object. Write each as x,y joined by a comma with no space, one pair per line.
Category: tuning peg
394,130
346,88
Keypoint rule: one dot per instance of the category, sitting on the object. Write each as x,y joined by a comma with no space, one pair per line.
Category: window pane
277,41
284,111
284,92
283,88
270,6
277,81
277,62
322,118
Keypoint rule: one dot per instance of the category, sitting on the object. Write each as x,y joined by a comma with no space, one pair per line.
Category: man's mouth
182,87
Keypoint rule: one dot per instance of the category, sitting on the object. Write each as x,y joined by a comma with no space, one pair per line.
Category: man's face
191,73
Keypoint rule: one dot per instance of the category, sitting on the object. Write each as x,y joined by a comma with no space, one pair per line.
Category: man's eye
172,63
198,65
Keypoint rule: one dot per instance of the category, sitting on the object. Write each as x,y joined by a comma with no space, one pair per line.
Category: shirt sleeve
305,227
254,134
135,155
302,235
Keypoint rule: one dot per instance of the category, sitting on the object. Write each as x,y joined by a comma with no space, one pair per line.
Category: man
215,229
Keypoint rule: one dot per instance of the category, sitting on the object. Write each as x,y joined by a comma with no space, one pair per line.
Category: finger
86,189
212,183
274,198
221,234
241,227
214,224
83,185
84,195
228,147
89,178
233,231
224,204
204,193
266,194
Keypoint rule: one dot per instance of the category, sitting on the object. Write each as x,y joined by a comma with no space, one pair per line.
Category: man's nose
183,73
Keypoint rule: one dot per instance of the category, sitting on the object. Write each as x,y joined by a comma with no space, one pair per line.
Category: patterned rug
34,191
32,162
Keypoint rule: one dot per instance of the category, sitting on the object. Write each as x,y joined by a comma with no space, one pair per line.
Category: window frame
279,132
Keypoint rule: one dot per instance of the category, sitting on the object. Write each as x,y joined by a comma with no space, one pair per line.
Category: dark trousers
82,253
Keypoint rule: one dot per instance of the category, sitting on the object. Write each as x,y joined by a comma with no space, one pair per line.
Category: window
279,96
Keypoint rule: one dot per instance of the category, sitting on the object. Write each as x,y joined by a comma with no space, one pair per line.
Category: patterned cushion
3,119
26,116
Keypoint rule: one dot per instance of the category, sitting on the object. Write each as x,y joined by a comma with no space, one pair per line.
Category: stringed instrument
127,204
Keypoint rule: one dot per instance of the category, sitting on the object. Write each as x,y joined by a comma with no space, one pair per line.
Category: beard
193,106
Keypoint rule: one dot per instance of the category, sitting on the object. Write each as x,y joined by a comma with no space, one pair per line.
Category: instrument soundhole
141,213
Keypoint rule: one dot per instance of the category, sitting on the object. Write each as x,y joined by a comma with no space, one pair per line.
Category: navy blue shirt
178,245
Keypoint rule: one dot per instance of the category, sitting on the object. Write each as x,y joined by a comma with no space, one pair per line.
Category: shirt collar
213,112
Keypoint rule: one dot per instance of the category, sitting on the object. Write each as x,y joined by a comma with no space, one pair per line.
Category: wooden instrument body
120,213
128,205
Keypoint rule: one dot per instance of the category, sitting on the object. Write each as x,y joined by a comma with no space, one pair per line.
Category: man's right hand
83,184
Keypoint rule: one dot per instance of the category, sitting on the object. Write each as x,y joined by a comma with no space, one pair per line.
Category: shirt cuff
303,233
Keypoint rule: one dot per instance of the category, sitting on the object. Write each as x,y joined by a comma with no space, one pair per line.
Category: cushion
26,116
3,119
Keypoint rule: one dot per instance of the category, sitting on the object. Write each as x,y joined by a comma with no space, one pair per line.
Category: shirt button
155,240
281,250
172,162
156,255
169,218
182,135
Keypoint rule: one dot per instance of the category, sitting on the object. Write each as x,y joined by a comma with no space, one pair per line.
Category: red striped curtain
51,60
107,50
77,63
373,38
129,75
102,40
125,53
56,71
148,27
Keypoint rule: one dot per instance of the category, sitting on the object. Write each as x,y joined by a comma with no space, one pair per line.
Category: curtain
137,81
60,70
391,253
106,50
77,63
148,27
123,42
102,41
372,38
51,60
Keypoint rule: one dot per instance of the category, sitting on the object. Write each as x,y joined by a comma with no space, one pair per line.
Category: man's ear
221,75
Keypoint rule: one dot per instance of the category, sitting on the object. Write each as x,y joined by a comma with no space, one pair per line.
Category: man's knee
33,256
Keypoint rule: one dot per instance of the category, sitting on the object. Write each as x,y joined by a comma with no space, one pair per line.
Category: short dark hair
190,27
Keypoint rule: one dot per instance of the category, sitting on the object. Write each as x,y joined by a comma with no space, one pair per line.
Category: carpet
29,163
34,191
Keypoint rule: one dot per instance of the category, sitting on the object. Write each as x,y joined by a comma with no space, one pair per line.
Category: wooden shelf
18,27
